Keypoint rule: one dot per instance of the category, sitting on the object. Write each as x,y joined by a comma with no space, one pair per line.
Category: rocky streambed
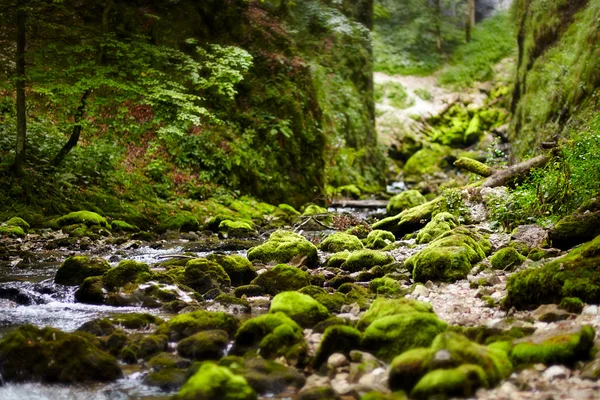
433,301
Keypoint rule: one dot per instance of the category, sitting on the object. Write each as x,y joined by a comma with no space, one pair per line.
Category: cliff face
558,69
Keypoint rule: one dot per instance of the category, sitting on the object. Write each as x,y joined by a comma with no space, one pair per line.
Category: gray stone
591,371
337,360
550,313
556,372
532,235
420,291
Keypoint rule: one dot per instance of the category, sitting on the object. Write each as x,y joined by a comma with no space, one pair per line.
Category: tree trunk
470,18
21,112
72,142
438,24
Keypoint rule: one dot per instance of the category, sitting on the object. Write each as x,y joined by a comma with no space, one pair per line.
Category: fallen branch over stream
495,178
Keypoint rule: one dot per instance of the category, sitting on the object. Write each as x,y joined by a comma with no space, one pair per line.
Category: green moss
127,271
365,259
333,302
98,327
410,220
379,239
426,161
136,320
571,304
12,231
440,224
215,382
349,191
337,339
450,257
462,381
302,308
203,275
562,349
389,336
386,286
87,218
20,222
75,269
507,259
385,307
184,325
239,269
404,201
283,247
274,335
205,345
289,210
91,291
183,222
575,229
167,379
573,275
336,260
167,361
313,209
282,278
122,226
339,241
235,228
408,368
49,355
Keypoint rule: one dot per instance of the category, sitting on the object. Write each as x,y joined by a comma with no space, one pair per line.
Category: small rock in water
556,372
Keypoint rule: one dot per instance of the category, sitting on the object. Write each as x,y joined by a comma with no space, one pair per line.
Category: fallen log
502,177
474,166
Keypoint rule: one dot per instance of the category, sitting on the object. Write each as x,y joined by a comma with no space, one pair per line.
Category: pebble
590,310
337,360
556,372
421,291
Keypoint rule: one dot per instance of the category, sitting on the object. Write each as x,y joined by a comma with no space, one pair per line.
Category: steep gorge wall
558,70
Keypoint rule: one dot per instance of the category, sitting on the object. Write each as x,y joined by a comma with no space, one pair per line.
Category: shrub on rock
283,247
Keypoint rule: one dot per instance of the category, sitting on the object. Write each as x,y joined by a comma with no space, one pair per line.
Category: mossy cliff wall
558,69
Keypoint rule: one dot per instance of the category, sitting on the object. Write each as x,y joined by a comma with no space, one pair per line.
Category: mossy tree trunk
470,18
20,86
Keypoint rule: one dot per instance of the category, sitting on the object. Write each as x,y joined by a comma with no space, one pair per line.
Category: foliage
395,93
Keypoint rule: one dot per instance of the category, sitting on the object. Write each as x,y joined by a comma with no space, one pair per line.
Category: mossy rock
440,224
166,360
426,161
450,257
507,258
318,393
365,259
413,370
575,229
339,241
230,228
183,222
204,345
49,355
87,218
282,278
12,231
389,336
75,269
386,286
203,275
474,166
184,325
20,222
566,348
127,271
167,379
378,239
382,307
352,191
411,220
274,335
571,304
573,275
336,260
212,381
302,308
91,291
404,201
313,209
360,231
98,327
136,320
462,381
333,302
249,291
266,377
122,226
283,247
337,339
240,270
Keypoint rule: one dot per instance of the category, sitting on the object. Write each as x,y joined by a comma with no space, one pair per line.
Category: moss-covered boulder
184,325
228,228
576,274
442,222
20,222
282,278
203,275
404,201
122,226
87,218
91,291
240,270
575,229
333,302
212,381
450,257
302,308
283,247
383,307
389,336
183,222
411,220
426,161
49,355
136,320
127,271
386,286
365,259
204,345
273,335
507,259
553,348
417,371
11,231
339,241
379,239
336,260
75,269
337,339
